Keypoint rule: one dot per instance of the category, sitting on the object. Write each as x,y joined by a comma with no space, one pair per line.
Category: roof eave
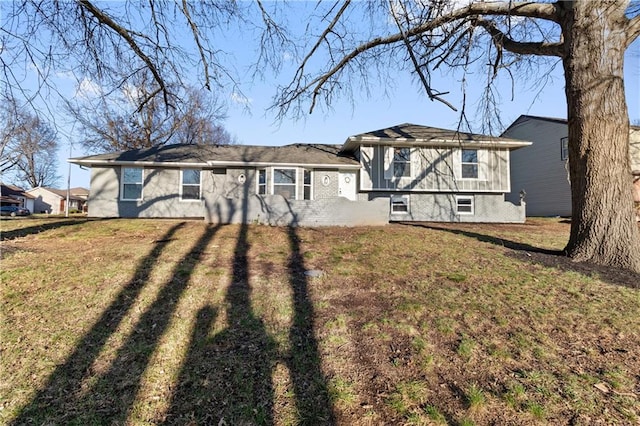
211,163
483,143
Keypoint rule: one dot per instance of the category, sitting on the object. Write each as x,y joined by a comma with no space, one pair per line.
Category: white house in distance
542,169
401,173
15,196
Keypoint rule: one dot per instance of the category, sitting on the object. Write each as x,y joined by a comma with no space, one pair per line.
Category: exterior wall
435,170
228,199
325,183
539,170
160,193
277,211
441,207
45,201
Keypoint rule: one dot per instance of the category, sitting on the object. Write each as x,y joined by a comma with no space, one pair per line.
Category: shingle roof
13,191
225,155
413,134
525,117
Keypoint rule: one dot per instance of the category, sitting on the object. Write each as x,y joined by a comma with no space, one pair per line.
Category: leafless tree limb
126,35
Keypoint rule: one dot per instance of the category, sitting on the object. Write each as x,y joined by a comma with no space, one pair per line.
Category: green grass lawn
178,322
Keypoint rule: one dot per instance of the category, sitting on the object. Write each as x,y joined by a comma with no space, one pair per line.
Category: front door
347,185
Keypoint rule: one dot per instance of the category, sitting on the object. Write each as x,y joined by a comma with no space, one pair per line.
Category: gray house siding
539,169
160,194
228,198
441,175
435,169
441,207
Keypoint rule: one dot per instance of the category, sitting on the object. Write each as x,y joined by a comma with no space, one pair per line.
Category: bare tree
29,148
588,37
106,44
136,118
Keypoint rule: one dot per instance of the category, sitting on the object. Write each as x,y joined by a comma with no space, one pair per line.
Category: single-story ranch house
402,173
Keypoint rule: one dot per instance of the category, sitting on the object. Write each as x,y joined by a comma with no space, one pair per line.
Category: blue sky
251,123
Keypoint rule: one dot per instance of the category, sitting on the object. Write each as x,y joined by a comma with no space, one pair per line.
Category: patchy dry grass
159,321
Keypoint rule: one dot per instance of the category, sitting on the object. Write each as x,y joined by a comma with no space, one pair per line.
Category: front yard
161,321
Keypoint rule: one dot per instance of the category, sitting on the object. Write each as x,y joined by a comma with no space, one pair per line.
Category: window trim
310,184
265,184
564,148
123,183
463,163
404,199
406,162
295,183
182,185
471,204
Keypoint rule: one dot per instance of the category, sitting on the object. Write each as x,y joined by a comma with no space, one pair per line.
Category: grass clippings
179,322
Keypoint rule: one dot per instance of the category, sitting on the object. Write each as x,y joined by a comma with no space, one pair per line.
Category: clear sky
251,123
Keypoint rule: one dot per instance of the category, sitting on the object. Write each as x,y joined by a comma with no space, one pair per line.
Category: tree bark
603,225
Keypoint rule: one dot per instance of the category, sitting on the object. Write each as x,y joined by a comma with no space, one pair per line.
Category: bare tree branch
416,65
471,12
196,38
126,35
523,48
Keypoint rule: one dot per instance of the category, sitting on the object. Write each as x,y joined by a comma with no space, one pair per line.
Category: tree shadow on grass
36,229
545,257
309,383
72,394
226,378
513,245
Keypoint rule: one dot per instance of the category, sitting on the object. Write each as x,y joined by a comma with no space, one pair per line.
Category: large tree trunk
603,225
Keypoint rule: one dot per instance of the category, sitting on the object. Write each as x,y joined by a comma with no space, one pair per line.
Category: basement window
399,204
464,204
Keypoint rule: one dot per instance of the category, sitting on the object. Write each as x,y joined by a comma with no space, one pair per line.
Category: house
53,201
402,173
542,169
11,195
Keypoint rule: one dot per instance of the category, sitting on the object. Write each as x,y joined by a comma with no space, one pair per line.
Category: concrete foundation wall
278,211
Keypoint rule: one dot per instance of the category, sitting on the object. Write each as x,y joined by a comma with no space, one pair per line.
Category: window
399,204
564,149
262,182
190,189
131,183
284,183
402,162
464,204
469,164
306,184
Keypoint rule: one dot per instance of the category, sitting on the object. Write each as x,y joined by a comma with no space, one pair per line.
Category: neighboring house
403,173
542,169
53,201
11,195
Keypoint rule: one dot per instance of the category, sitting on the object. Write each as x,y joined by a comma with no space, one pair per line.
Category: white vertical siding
435,169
